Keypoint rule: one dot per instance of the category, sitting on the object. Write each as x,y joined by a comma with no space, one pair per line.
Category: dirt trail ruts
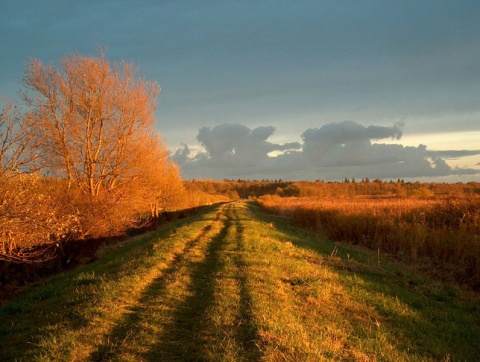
170,319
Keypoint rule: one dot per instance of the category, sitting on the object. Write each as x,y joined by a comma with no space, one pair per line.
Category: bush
33,218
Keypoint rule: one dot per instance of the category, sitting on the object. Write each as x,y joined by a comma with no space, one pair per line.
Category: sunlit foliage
87,159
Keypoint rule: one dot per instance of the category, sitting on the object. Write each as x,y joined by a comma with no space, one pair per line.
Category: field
441,234
233,283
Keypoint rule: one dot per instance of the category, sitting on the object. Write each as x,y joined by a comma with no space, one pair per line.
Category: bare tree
89,117
16,142
94,126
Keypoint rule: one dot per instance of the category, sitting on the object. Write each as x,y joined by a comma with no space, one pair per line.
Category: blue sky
283,89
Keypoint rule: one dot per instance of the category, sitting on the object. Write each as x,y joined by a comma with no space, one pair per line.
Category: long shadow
58,302
187,336
247,332
131,323
417,334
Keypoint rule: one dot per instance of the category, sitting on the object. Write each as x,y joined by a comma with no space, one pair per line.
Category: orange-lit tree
32,218
157,185
89,118
93,122
90,130
16,142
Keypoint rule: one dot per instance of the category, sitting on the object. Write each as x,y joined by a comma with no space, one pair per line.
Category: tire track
188,334
130,324
247,333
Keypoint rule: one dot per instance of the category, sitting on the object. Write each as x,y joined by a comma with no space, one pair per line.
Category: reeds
441,234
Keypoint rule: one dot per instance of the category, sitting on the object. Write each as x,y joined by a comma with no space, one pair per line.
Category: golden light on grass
235,284
442,232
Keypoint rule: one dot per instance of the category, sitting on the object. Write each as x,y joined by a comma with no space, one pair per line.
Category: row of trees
234,189
80,157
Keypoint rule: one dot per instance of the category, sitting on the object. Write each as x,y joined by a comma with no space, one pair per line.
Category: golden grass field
442,234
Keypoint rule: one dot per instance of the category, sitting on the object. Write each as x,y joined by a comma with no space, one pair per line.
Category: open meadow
233,283
440,234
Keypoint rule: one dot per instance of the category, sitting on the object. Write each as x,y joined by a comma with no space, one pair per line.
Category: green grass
235,284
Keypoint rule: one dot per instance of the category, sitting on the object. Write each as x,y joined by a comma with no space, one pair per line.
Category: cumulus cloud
236,145
345,144
333,151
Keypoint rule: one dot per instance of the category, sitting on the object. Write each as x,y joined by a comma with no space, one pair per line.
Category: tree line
244,189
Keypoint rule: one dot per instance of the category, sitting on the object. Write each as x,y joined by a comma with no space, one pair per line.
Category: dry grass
441,233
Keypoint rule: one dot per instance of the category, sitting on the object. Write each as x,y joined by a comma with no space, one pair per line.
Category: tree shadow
247,332
189,332
131,324
187,336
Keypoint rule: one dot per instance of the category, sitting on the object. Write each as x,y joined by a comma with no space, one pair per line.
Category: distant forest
244,189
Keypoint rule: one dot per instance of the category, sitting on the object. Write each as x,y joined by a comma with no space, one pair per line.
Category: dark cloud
252,62
235,144
181,154
333,151
282,63
453,153
345,143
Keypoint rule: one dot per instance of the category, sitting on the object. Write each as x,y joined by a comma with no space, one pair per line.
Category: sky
274,89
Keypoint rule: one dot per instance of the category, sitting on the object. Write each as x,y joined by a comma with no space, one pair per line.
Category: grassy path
234,284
